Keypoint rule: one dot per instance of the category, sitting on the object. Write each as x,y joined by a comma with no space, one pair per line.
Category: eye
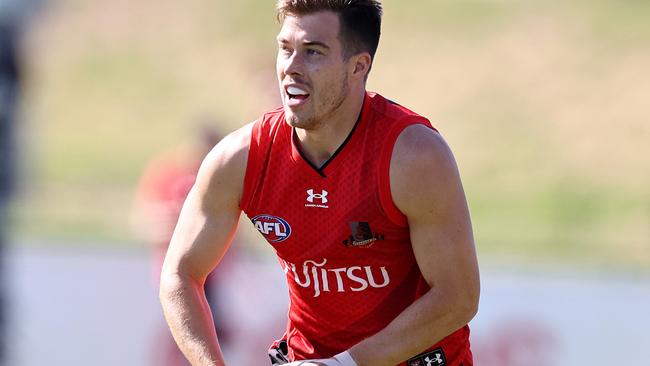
284,49
311,51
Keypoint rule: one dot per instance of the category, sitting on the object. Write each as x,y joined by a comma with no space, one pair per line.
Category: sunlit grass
539,101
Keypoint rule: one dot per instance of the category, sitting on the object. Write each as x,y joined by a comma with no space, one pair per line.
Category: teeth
296,91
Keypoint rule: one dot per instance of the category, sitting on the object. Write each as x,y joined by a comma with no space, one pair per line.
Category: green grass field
544,104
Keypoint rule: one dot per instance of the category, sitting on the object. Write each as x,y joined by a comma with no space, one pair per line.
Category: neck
319,145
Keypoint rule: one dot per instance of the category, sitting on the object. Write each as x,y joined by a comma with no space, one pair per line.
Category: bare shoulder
423,143
221,176
423,171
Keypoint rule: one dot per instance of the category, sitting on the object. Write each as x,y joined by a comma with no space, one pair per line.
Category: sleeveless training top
343,244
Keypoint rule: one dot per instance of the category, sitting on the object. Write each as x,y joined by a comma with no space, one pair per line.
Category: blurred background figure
8,97
163,187
13,18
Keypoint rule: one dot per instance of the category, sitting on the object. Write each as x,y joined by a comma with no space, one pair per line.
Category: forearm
424,323
188,314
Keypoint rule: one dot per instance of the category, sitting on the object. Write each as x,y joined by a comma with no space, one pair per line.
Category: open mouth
296,94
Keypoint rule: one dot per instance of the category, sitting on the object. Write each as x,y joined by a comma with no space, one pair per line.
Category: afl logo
273,228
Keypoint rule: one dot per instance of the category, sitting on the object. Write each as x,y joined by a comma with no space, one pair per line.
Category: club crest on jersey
274,229
362,235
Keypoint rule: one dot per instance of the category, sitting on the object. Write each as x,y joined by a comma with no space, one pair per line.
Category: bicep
201,238
211,211
426,187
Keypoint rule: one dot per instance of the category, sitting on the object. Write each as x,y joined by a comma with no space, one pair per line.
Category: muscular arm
426,187
203,234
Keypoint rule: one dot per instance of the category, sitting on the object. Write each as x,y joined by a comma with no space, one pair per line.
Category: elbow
467,304
171,284
461,304
168,285
472,308
463,310
175,282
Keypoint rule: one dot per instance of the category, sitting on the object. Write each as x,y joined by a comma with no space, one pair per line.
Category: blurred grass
544,104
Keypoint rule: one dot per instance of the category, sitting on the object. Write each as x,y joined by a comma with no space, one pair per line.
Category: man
360,198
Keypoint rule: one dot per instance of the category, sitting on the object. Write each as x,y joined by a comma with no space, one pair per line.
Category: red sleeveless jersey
343,244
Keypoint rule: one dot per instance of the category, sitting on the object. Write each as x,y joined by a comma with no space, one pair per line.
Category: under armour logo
433,362
319,196
432,358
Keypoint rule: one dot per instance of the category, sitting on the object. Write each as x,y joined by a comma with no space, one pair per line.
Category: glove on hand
342,359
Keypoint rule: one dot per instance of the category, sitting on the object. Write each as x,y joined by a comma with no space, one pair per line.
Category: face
312,71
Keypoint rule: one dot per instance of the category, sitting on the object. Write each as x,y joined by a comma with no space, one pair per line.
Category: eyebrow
316,43
307,43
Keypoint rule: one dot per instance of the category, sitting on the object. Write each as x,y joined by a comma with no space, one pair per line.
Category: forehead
322,26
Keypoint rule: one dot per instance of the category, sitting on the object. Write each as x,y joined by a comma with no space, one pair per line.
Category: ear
361,65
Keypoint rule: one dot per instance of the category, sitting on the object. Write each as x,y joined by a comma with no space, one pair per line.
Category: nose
292,64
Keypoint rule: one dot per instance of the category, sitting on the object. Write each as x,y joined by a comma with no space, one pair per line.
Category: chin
297,121
290,117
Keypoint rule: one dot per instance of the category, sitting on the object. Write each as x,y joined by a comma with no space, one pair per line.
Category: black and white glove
279,353
342,359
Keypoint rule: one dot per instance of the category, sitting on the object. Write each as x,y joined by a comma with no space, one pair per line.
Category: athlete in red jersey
343,244
361,199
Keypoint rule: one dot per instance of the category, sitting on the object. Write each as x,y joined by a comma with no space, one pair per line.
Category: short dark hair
360,20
